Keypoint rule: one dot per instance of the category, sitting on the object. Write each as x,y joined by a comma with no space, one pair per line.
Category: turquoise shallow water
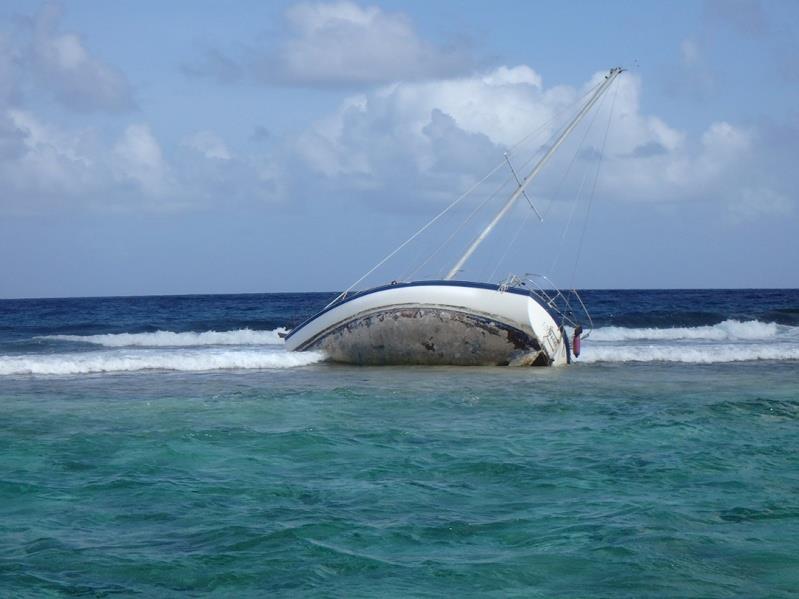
171,447
603,479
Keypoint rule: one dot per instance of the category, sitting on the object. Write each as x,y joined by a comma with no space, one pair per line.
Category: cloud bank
440,135
424,128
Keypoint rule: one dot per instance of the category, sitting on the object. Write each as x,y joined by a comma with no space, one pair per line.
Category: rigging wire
526,164
576,201
574,157
419,231
515,237
569,221
593,189
457,230
553,117
510,245
443,271
573,107
461,197
501,186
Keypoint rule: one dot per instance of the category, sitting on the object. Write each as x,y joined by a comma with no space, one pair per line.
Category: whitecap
705,354
139,360
727,330
172,339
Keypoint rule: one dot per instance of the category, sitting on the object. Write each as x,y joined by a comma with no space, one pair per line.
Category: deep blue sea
170,447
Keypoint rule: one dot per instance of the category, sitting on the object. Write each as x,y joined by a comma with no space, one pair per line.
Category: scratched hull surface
435,323
429,336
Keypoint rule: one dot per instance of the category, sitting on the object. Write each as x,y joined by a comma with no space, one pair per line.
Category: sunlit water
171,447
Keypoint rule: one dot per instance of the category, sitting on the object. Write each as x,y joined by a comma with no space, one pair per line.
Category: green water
600,480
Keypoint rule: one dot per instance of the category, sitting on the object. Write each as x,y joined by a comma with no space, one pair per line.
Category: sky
207,147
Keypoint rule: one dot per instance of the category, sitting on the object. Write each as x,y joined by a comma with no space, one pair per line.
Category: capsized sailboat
522,321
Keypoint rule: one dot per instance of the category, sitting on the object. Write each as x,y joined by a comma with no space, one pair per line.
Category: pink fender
578,330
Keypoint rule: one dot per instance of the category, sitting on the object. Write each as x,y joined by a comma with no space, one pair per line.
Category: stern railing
566,306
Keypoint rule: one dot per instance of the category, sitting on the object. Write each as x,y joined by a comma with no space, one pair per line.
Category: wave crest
184,361
689,354
728,341
729,330
172,339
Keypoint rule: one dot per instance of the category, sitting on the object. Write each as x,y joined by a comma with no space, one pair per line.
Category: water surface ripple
643,480
171,447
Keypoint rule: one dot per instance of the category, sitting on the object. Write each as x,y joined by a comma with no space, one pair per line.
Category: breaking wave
172,339
728,341
694,355
132,361
727,330
247,349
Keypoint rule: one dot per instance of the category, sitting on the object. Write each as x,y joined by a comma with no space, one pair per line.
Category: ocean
170,447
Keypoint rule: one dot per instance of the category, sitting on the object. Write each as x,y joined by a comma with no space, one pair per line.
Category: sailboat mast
612,74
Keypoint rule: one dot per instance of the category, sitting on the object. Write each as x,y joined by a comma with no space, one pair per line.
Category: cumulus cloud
43,165
338,43
403,119
138,158
77,79
343,42
442,135
426,135
48,161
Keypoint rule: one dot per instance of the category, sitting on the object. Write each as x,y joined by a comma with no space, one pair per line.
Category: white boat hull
438,322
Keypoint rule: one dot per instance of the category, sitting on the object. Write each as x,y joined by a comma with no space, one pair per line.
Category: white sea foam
137,360
708,354
729,330
728,341
172,339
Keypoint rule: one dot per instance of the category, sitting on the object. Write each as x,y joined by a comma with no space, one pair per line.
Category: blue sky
198,147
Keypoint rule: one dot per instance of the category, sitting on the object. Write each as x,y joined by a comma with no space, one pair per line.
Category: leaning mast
609,78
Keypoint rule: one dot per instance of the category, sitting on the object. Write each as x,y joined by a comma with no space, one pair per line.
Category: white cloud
138,157
209,145
512,76
412,131
723,144
426,133
77,79
45,165
345,42
338,43
396,119
50,161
